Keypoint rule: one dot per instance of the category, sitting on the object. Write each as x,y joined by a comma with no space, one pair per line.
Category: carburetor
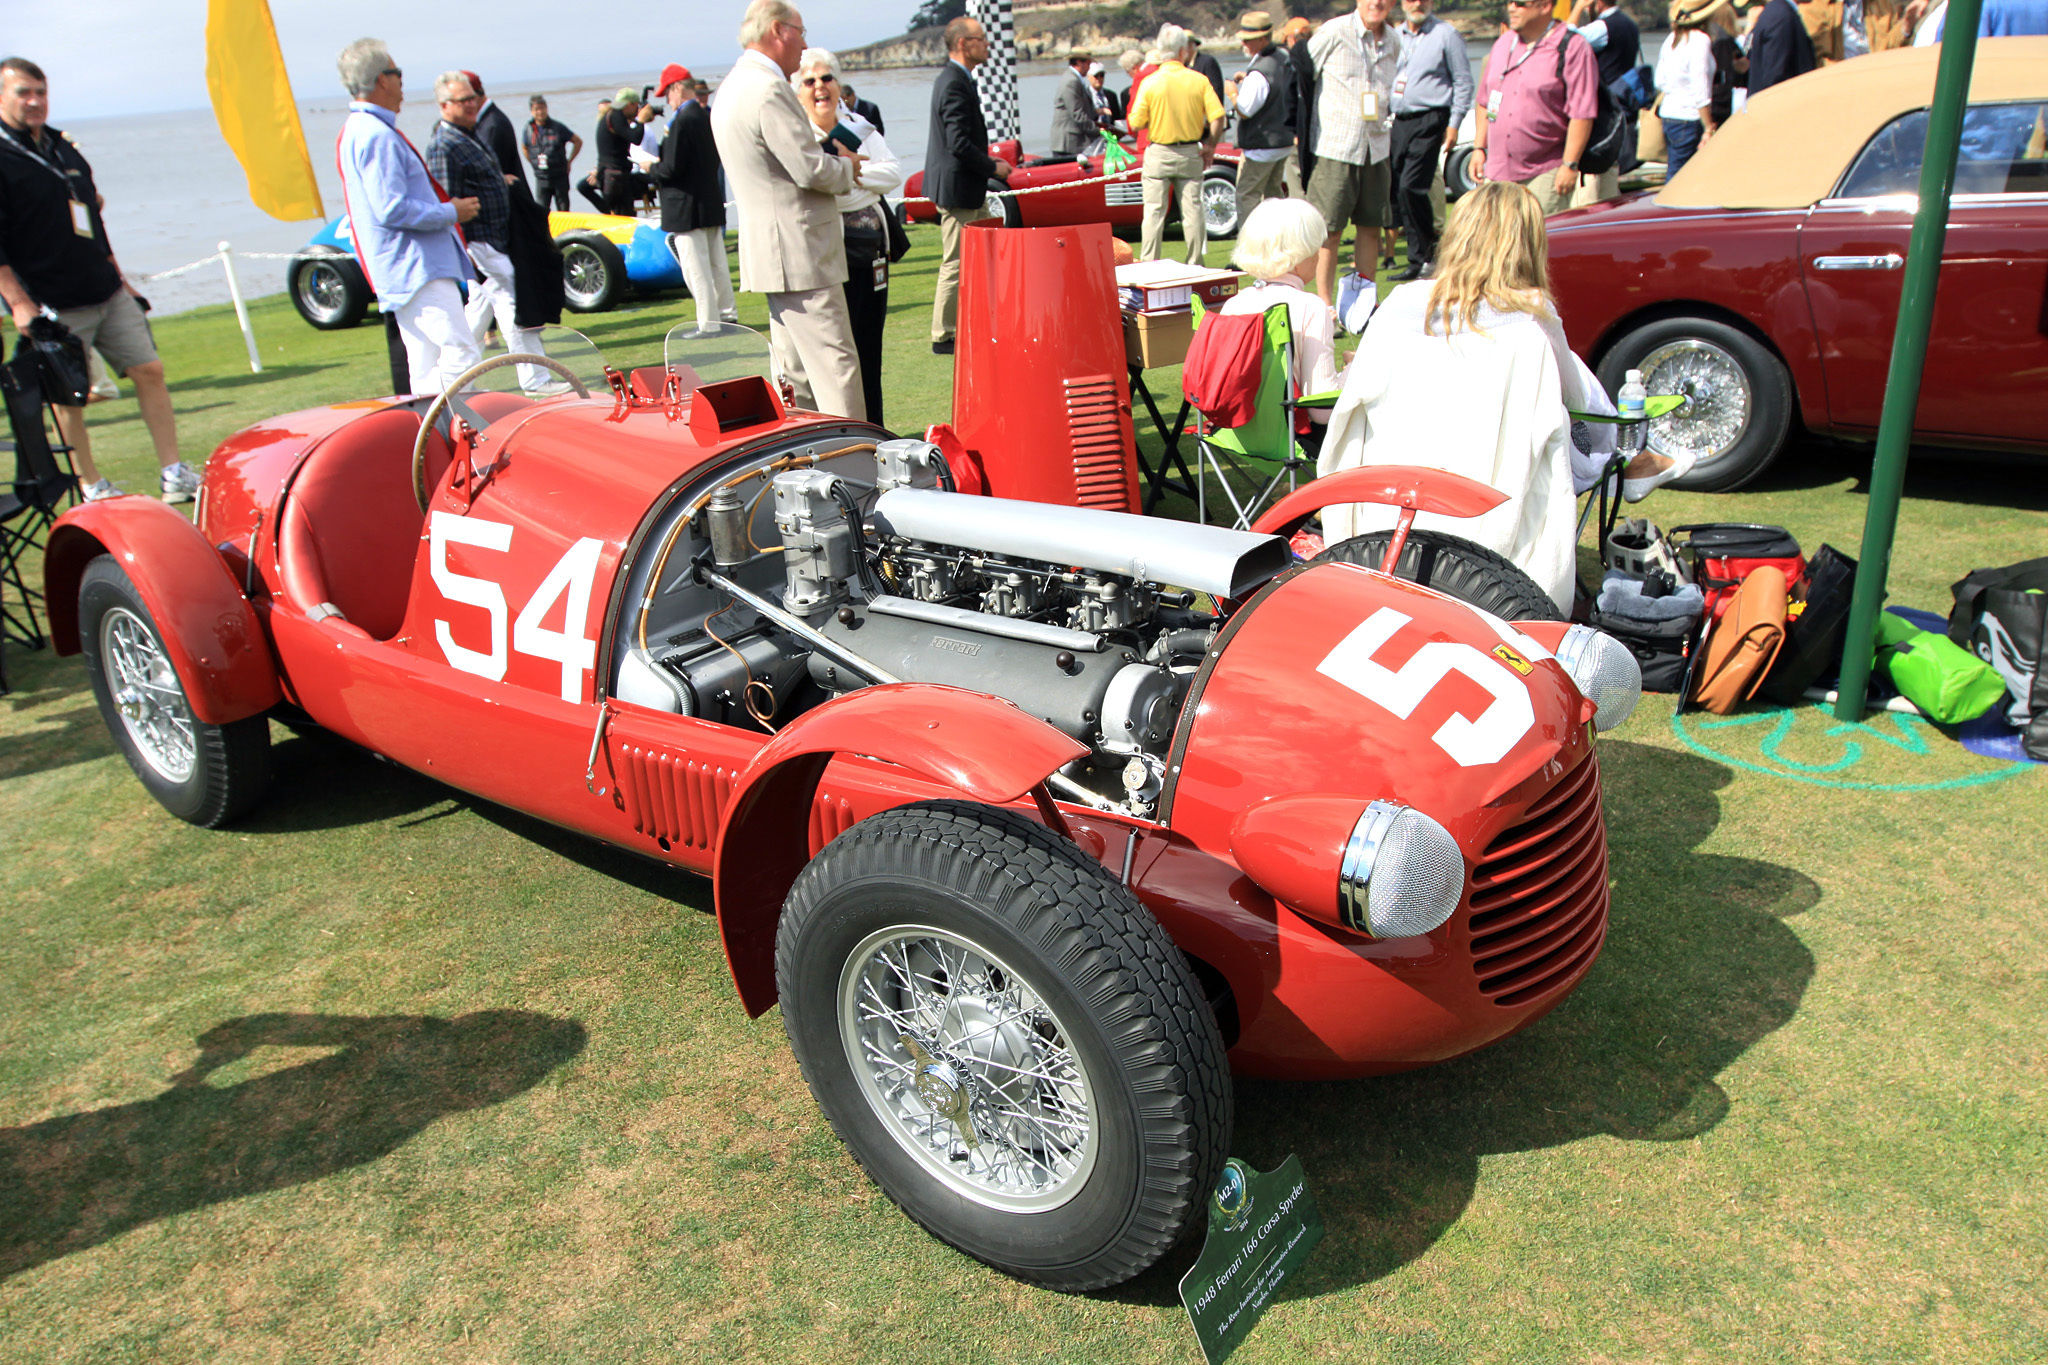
818,543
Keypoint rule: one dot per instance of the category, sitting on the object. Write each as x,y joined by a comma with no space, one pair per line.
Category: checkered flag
996,78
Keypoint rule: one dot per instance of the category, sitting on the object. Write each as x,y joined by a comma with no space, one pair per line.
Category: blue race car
601,256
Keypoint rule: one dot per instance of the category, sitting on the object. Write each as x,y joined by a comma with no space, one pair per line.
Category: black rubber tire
1134,1014
1455,567
1003,205
231,762
328,288
1223,176
1458,173
1770,387
586,255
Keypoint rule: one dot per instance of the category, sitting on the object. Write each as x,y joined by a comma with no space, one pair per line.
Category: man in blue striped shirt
404,228
1432,91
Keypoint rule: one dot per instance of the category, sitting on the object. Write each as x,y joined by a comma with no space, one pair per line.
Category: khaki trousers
1167,169
811,335
1592,189
946,298
1258,181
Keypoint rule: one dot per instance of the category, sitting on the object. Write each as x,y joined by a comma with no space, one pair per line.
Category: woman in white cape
1469,372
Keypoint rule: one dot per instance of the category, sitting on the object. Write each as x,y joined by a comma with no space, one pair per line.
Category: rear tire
593,271
328,288
1742,399
1045,1003
207,774
1458,173
1220,217
1455,567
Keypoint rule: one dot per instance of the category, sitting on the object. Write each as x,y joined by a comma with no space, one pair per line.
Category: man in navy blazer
957,166
1780,48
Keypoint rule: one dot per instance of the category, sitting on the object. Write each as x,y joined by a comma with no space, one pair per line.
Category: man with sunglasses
1538,96
792,247
403,224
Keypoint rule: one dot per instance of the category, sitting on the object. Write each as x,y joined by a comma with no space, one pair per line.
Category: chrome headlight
1605,672
1402,873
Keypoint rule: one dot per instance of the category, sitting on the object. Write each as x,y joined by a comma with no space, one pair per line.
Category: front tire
1220,217
593,271
1741,397
207,774
1007,1042
328,288
1455,567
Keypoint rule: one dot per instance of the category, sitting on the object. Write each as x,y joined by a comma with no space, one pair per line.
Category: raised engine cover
1040,390
1207,559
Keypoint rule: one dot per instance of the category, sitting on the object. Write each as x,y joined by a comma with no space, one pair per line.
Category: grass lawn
391,1074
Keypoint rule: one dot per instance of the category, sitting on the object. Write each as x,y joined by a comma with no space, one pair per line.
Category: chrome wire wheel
320,285
583,274
1719,399
1219,206
968,1068
147,695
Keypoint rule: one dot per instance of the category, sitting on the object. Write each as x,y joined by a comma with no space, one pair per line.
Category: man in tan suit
792,247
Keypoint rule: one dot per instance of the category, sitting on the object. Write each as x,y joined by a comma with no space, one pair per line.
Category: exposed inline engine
1088,619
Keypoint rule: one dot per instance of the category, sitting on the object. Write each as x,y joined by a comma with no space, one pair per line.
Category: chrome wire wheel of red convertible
1738,397
1006,1040
1219,203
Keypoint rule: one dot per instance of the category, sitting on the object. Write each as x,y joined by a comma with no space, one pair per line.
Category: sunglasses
392,71
810,81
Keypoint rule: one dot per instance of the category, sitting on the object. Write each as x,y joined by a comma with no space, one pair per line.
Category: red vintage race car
1060,193
1038,821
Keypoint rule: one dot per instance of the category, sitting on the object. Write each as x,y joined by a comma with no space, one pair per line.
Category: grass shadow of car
1983,478
72,1182
236,381
1698,967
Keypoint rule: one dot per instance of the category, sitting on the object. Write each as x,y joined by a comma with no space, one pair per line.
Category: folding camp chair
28,506
1263,448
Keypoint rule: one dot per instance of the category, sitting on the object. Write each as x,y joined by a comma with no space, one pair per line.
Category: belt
1194,143
868,220
1424,113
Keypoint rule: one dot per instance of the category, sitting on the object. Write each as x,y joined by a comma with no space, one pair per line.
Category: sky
142,56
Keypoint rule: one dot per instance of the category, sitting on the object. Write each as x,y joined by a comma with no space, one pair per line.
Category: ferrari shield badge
1261,1230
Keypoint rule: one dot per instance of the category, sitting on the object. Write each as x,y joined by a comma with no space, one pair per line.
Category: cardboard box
1153,340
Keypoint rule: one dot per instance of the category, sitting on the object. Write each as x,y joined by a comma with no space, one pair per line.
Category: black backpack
1603,147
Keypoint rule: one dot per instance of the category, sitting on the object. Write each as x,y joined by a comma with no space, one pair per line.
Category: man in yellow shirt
1179,108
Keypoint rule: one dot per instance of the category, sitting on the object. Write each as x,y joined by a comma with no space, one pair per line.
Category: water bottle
1629,404
1632,398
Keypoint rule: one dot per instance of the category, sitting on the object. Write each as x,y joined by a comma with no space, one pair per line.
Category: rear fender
210,631
1400,485
969,743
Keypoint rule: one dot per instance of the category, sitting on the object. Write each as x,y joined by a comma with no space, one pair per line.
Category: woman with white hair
1277,247
861,210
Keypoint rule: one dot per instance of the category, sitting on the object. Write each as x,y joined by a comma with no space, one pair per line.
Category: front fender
1402,485
210,631
968,742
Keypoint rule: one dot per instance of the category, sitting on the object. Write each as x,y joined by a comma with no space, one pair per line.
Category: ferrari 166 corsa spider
1038,821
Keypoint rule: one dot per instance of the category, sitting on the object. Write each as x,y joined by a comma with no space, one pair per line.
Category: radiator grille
1096,425
1539,894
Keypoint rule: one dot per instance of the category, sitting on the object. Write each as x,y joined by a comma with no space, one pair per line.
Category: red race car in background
1038,821
1059,197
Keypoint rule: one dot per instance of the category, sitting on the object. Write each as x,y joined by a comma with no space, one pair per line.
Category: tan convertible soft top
1790,146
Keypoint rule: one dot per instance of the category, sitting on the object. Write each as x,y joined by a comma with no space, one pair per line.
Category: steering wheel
437,413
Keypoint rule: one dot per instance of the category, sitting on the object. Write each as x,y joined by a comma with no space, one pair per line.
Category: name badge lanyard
1514,65
81,216
1369,53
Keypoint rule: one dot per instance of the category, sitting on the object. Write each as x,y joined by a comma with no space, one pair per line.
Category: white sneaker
104,488
180,482
548,388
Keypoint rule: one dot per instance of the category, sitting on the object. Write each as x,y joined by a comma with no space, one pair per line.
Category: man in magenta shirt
1533,126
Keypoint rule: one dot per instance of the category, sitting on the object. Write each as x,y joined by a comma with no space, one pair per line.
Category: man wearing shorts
1355,56
55,258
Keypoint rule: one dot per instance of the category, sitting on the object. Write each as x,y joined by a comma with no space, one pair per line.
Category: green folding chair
1263,448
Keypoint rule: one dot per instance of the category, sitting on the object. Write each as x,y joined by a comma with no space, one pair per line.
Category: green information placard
1261,1230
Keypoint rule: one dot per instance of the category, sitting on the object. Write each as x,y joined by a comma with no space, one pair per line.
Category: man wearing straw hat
1260,93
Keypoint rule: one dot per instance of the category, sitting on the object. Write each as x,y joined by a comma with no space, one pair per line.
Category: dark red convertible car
1061,195
1763,281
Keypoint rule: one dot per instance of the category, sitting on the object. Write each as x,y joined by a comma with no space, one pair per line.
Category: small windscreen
566,358
714,353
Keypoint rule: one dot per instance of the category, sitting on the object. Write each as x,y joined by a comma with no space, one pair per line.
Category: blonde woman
818,89
1277,247
1470,372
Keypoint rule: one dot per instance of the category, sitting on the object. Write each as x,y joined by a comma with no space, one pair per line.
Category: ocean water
174,191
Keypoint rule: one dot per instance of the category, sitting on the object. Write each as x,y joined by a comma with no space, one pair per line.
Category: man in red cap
692,201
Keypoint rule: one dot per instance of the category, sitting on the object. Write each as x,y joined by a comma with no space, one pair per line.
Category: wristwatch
1571,165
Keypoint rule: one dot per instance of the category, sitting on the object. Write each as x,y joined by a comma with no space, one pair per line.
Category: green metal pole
1909,349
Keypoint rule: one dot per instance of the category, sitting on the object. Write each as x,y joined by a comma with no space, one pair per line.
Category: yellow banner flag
252,99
